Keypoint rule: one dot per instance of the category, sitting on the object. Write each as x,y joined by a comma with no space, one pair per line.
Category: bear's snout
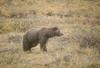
60,34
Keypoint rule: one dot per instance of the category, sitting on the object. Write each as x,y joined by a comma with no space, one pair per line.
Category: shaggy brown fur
31,38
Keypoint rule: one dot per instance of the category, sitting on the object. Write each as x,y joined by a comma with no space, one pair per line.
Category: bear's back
32,35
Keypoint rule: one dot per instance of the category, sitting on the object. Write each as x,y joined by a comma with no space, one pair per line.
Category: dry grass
62,52
77,19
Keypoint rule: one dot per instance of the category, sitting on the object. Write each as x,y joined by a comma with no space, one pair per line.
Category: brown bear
33,37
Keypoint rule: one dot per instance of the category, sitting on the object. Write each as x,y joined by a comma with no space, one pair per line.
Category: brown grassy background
78,20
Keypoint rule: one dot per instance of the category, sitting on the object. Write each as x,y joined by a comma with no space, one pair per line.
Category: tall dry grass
78,20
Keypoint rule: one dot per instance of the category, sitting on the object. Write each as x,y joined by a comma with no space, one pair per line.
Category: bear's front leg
43,42
43,48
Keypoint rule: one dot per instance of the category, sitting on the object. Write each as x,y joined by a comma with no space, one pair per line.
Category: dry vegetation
79,20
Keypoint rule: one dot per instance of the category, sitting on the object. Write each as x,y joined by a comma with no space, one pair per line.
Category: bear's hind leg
26,46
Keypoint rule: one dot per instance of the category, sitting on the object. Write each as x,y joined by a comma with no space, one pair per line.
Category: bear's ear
55,28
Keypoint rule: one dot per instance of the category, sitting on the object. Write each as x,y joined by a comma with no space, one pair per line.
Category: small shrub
93,65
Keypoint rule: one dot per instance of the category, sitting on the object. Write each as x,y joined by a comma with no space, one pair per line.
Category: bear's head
54,31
